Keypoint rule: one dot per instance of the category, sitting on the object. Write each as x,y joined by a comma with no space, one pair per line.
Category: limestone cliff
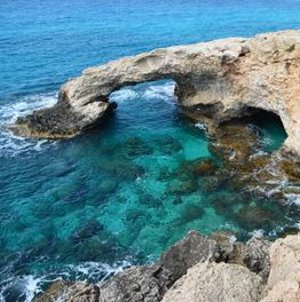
223,79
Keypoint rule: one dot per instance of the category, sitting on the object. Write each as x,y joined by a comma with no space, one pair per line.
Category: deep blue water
80,209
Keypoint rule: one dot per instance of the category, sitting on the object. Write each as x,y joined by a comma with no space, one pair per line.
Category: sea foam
11,145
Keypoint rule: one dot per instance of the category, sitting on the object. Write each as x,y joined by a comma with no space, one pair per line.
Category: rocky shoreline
223,79
220,84
200,269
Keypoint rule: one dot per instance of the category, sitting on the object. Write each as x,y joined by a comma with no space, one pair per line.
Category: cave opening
269,126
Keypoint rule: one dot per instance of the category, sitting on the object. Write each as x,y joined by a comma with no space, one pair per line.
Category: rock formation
212,282
199,268
221,79
284,279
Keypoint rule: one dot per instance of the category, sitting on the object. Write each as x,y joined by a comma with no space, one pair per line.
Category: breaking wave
164,92
25,288
10,144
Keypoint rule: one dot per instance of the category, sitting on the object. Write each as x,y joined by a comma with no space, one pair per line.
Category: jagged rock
229,250
223,79
192,249
284,280
81,292
149,283
195,270
216,282
54,292
68,292
256,257
137,284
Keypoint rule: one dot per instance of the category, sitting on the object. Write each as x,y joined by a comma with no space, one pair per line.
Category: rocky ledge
222,79
200,269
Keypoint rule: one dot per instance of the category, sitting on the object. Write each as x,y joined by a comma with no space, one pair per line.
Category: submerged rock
253,217
182,187
204,167
135,146
89,230
168,145
191,212
234,141
108,186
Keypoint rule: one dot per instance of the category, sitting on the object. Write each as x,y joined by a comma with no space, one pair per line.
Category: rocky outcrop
284,279
200,268
141,283
151,282
213,282
221,79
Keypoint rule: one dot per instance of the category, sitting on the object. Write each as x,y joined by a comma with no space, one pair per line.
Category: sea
88,207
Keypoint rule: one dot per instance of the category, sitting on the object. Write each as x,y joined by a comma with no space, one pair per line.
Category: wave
11,145
123,95
293,198
164,92
25,288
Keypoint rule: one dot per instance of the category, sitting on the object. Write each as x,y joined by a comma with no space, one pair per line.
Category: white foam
293,198
123,95
258,233
10,144
201,126
164,92
232,239
93,270
29,286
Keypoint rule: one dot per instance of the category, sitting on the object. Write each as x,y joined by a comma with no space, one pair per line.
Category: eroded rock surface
216,282
200,269
284,279
222,79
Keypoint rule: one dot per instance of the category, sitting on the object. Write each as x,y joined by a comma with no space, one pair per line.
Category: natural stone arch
226,75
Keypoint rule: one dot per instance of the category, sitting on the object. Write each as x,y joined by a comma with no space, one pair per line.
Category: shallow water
86,207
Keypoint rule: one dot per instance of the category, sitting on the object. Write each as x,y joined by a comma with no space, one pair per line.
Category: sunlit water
86,207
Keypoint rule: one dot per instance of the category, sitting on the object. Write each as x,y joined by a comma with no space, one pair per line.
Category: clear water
83,208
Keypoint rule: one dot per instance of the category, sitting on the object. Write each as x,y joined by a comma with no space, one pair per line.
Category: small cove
121,194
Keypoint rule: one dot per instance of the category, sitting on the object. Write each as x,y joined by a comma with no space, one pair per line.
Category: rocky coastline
200,269
222,79
221,84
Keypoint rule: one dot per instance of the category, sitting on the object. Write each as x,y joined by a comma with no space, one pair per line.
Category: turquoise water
83,208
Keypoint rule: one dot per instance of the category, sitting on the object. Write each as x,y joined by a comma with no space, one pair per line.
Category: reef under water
121,194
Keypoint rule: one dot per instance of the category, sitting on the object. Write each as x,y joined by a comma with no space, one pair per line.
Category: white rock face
284,279
224,77
216,282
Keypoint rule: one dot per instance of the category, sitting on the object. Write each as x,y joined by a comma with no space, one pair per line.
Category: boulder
216,282
284,279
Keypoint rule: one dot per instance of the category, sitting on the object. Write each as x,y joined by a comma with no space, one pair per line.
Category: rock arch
222,77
